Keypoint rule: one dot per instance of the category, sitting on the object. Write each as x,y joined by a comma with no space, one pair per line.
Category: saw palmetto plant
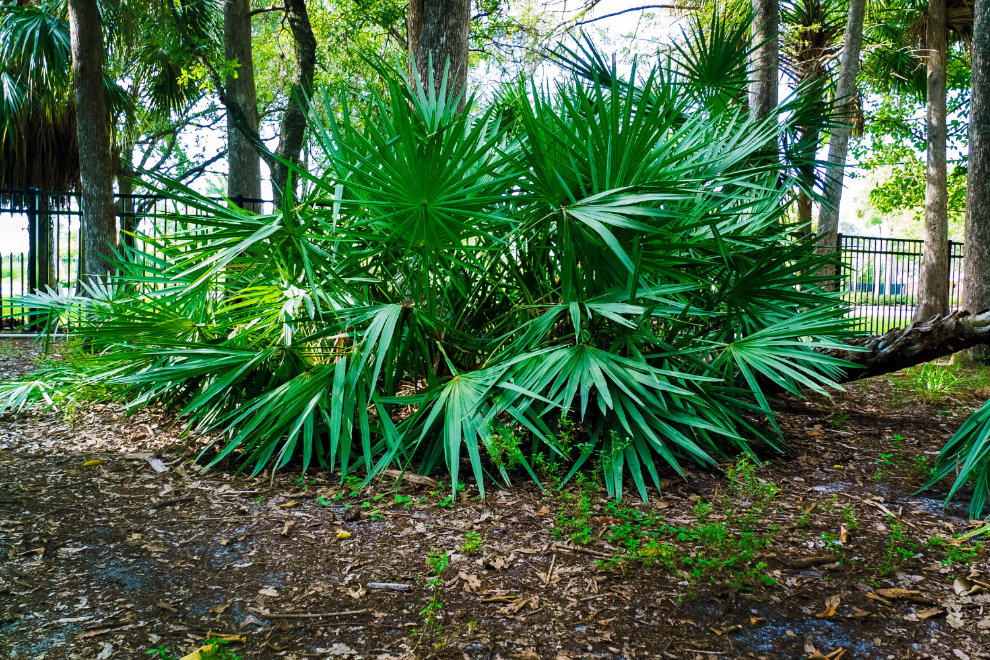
593,273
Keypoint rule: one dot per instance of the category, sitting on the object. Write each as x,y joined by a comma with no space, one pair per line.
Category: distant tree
976,287
765,59
846,95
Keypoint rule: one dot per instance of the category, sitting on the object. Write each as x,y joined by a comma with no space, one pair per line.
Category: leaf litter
104,554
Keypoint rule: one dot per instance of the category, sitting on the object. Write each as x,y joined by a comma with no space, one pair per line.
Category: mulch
112,544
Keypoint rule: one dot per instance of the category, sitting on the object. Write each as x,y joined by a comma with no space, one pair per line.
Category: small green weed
403,500
215,649
886,464
849,518
900,548
503,448
576,522
838,418
304,483
472,543
955,553
921,470
437,561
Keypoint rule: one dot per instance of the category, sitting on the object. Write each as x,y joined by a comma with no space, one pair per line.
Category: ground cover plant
599,270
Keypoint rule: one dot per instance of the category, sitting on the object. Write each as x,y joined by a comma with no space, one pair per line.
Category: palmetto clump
607,256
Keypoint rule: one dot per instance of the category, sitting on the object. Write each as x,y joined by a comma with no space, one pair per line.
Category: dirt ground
104,556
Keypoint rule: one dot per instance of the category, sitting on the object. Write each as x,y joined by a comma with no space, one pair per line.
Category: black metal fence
881,276
879,279
40,240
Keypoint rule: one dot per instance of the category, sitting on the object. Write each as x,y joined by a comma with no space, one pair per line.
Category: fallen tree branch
918,343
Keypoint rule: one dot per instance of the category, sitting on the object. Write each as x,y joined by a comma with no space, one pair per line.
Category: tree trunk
933,289
918,343
99,225
243,161
765,62
438,33
838,143
293,129
804,212
976,282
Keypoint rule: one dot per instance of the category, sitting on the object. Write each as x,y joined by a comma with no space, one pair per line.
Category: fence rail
879,276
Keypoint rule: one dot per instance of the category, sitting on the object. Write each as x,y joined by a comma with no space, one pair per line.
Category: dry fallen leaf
843,535
356,592
288,505
726,631
873,596
755,620
929,613
288,524
95,461
528,654
268,591
219,608
471,582
895,593
831,603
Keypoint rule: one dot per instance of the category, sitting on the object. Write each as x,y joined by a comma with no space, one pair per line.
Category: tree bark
293,129
765,63
933,290
838,144
99,225
438,33
918,343
243,160
976,282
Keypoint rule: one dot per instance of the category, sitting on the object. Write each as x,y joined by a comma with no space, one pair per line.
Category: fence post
31,210
838,267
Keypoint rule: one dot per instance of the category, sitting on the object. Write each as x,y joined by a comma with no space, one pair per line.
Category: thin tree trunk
438,33
293,129
804,212
838,143
99,225
933,290
243,161
976,283
765,62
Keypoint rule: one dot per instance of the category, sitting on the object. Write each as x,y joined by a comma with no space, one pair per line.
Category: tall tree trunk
99,222
243,161
933,291
438,33
976,283
765,62
838,143
293,129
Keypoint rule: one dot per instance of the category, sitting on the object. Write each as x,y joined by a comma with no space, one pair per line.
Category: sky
630,31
